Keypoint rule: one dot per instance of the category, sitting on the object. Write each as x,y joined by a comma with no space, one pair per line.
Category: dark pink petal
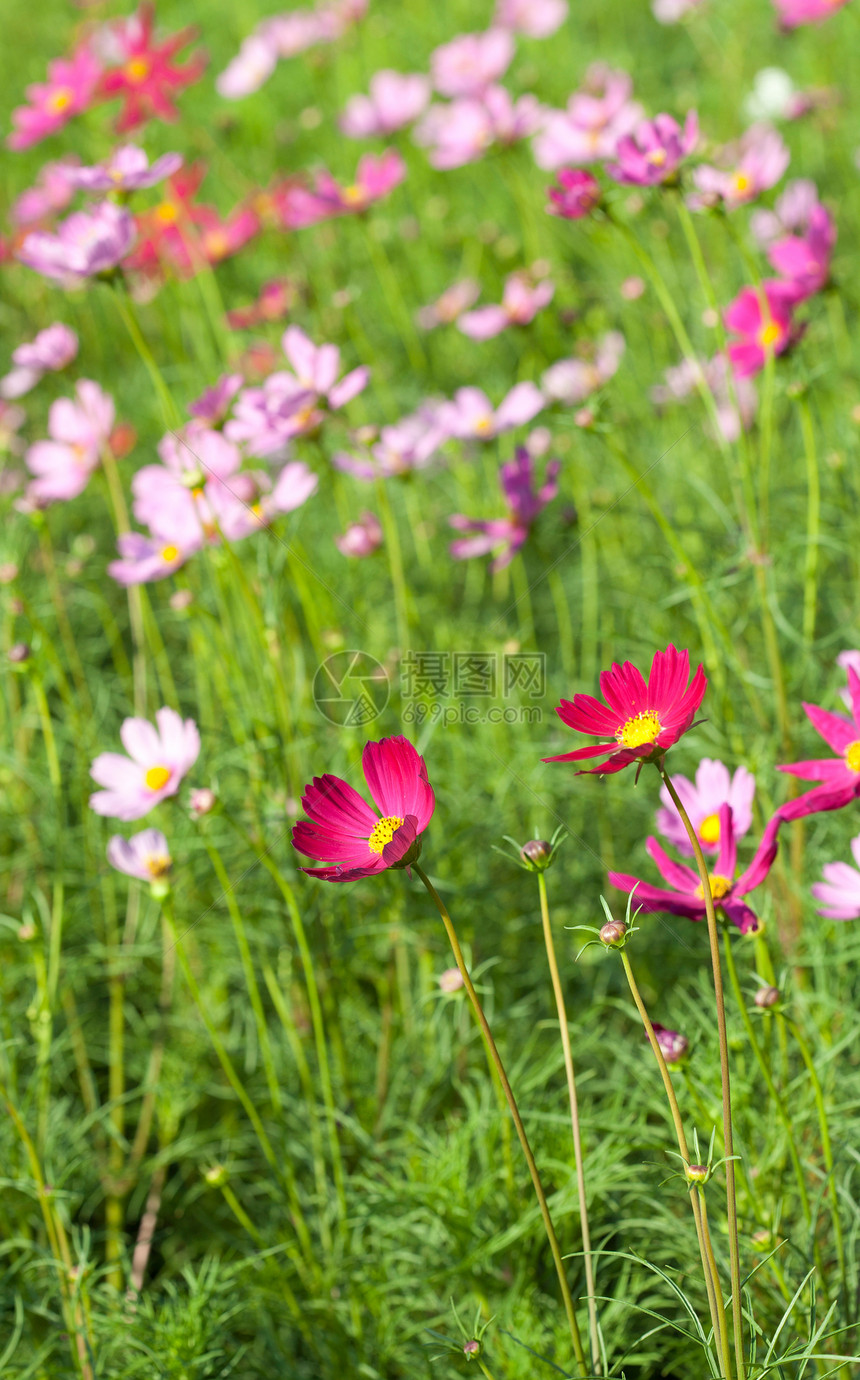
598,750
682,878
333,803
653,900
854,691
403,839
740,915
397,779
350,874
763,860
325,846
727,858
818,801
829,769
836,730
588,715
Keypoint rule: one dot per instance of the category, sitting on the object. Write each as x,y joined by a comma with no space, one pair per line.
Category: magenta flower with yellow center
642,721
348,834
840,775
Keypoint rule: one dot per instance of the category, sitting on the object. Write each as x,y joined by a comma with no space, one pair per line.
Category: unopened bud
673,1045
767,996
472,1348
698,1173
216,1175
203,801
450,981
538,853
613,933
19,653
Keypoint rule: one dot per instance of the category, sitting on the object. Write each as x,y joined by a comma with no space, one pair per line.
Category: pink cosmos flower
571,381
673,1045
687,898
840,890
408,445
735,405
316,368
361,538
471,416
265,419
522,299
507,535
793,13
672,12
70,88
464,130
596,118
846,659
804,260
12,418
86,243
127,170
145,559
52,349
157,760
454,301
714,787
251,68
450,981
147,77
145,855
534,18
755,163
790,214
764,326
172,499
51,194
576,196
345,832
274,302
644,721
839,775
78,430
213,405
395,100
299,206
655,151
471,62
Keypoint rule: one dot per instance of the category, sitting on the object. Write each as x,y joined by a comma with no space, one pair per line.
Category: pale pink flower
144,559
596,117
316,368
454,301
203,801
464,130
632,288
471,415
470,63
840,890
375,177
735,399
86,243
672,11
251,68
12,418
265,419
78,431
174,499
157,760
714,787
793,13
293,32
522,299
51,194
571,381
408,445
145,855
361,538
52,349
655,151
450,981
746,169
395,100
70,88
248,501
506,536
790,215
127,170
213,405
534,18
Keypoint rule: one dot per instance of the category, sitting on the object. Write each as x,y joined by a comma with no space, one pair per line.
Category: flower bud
471,1348
537,853
19,653
697,1173
450,981
613,934
203,801
216,1175
673,1045
767,996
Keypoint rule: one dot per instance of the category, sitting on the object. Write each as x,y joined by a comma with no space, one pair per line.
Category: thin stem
697,1199
826,1145
813,514
725,1076
574,1122
168,406
521,1130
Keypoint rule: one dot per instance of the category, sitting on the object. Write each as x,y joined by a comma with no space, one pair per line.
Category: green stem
813,514
574,1122
826,1144
521,1131
725,1076
169,409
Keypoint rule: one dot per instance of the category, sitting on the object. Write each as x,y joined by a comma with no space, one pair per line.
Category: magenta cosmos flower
524,500
345,832
673,1045
804,260
655,150
793,13
52,349
762,321
145,855
714,787
597,116
576,195
839,775
840,890
86,243
687,896
70,88
158,758
642,720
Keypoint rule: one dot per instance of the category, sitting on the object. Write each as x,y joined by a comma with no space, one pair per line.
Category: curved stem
521,1130
574,1122
725,1076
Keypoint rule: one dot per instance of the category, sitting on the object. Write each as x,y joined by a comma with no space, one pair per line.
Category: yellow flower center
709,829
156,777
157,865
168,553
60,99
720,886
137,70
167,212
657,157
768,335
383,832
742,183
852,756
484,424
642,728
216,244
353,196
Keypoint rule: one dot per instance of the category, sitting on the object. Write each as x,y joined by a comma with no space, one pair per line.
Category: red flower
840,775
347,833
644,720
146,78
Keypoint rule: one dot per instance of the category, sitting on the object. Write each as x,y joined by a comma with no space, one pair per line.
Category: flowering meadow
430,744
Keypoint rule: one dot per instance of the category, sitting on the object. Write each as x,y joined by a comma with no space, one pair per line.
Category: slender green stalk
47,732
169,409
813,516
390,285
134,592
521,1130
697,1197
564,1030
725,1076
